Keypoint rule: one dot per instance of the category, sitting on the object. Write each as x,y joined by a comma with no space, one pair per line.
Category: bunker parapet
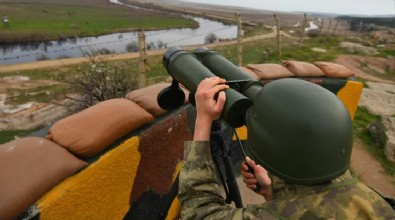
121,158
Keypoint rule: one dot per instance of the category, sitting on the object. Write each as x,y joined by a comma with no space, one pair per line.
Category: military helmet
300,132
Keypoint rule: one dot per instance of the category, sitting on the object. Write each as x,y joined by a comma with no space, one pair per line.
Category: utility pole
143,60
239,40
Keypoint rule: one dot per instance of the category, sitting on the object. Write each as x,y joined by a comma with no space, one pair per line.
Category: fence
281,29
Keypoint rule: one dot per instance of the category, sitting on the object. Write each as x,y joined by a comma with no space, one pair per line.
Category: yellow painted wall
350,95
103,189
100,191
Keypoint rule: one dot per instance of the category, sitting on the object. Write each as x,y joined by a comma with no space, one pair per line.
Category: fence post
239,40
329,26
360,26
321,26
334,29
303,30
278,36
143,60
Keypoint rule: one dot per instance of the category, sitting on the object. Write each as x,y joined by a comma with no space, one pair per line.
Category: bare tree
101,81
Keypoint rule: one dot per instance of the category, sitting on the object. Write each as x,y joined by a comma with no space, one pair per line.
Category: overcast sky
348,7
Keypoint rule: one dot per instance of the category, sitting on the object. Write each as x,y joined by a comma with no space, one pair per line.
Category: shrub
132,47
211,38
101,81
313,33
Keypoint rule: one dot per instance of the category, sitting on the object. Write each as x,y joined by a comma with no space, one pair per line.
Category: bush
101,81
211,38
132,47
313,33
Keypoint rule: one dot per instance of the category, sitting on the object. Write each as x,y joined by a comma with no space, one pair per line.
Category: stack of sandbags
297,69
147,98
303,69
90,131
334,70
29,167
269,71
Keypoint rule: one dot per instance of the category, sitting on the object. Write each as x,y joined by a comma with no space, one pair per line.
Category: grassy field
30,22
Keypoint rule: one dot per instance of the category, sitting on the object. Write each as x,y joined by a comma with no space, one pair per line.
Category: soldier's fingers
244,166
247,175
250,181
217,80
252,187
218,88
221,101
250,162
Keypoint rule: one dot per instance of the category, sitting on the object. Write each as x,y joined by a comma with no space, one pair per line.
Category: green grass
387,52
362,119
35,22
252,51
9,135
44,93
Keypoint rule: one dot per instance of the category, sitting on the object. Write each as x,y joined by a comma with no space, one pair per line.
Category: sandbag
303,69
334,70
29,167
88,132
270,71
147,97
250,72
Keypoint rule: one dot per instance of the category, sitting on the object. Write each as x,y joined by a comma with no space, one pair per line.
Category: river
114,43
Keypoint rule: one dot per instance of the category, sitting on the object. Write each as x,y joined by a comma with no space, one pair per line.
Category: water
114,43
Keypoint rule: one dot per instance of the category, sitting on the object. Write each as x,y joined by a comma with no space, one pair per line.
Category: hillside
367,24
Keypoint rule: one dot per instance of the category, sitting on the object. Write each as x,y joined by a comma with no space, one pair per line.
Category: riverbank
42,21
49,64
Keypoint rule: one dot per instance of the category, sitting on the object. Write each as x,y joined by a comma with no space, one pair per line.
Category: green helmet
299,132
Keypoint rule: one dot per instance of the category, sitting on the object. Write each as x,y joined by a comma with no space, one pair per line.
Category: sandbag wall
134,150
134,155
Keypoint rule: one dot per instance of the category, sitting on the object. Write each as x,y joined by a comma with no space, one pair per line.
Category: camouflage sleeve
199,192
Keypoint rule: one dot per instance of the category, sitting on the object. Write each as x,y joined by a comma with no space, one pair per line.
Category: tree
101,81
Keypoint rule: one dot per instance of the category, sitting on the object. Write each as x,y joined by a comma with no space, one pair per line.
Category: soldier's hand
206,105
208,109
260,177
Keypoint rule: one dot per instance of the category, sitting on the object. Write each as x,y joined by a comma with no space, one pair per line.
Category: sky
345,7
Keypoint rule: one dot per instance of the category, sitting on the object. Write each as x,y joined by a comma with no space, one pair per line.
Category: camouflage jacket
343,198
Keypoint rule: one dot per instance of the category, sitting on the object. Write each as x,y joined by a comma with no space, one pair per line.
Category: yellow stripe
175,208
101,191
349,95
241,132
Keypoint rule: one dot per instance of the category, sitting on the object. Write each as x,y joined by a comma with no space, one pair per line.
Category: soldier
310,179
